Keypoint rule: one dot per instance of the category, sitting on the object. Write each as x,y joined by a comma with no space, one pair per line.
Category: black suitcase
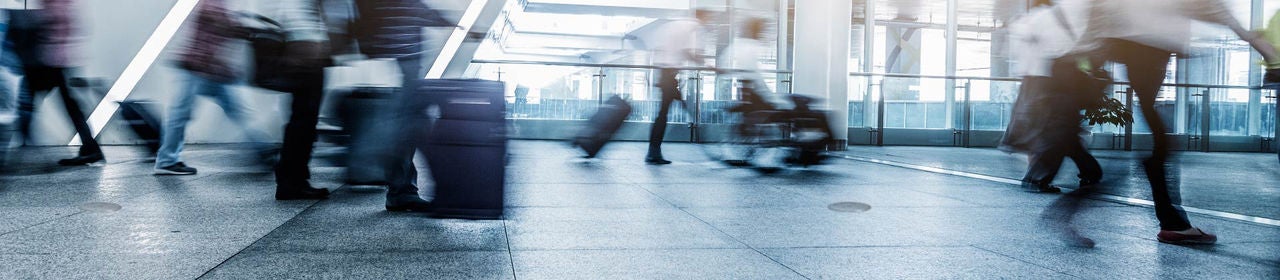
601,126
137,114
467,148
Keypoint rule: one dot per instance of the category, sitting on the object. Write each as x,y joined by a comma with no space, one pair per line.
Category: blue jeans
175,126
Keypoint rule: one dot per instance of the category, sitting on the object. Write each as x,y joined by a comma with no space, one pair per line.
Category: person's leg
27,87
292,172
670,92
175,123
1060,215
1090,169
90,152
241,115
402,175
1043,168
1146,67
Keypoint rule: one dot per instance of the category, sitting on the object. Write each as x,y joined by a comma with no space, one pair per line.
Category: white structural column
822,30
1256,18
951,99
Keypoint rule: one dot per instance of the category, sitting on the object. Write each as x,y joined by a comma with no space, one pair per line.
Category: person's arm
693,47
214,16
1258,42
1216,11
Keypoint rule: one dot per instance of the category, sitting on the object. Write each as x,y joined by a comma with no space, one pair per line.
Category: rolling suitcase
601,126
467,148
138,116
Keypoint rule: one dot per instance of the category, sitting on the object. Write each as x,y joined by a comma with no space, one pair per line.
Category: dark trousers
45,79
1044,166
411,121
670,93
1146,66
292,170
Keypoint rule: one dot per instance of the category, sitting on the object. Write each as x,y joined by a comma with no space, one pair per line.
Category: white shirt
744,54
1164,24
672,42
1039,37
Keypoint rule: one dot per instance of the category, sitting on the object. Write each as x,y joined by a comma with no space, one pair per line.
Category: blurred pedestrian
309,47
8,96
393,29
675,44
1046,120
45,38
1142,35
744,64
207,72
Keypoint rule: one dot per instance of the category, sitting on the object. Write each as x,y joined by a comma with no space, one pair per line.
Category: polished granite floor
613,218
1240,183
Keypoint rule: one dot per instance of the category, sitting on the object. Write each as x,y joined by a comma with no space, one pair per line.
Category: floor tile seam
28,254
511,256
259,239
664,249
1221,215
348,252
1248,242
862,247
898,207
590,207
43,223
1026,262
812,198
744,243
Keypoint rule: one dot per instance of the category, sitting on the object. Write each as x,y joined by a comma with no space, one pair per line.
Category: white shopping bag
364,73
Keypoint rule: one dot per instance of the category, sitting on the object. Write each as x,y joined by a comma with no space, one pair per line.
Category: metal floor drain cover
100,207
850,207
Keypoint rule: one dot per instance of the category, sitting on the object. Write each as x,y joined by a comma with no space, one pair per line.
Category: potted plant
1108,111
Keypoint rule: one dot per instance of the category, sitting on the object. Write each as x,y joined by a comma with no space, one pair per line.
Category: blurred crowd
1062,49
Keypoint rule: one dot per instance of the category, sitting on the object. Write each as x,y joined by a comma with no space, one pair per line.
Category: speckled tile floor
611,218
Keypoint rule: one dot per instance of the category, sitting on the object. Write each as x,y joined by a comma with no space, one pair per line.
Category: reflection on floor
610,218
1241,183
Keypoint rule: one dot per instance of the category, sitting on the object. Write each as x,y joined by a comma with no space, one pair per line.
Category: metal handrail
862,74
1009,79
630,66
895,75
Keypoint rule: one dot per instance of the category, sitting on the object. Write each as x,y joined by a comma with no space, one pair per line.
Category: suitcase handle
470,101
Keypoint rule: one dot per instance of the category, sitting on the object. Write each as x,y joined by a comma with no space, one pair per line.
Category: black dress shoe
305,193
92,159
407,203
656,161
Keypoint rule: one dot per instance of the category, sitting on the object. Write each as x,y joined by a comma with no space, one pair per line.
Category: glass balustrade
888,109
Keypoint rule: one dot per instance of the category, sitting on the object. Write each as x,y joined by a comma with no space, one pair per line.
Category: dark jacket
206,52
48,37
393,28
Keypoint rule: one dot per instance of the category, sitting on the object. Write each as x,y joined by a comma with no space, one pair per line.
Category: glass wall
924,72
950,69
565,59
